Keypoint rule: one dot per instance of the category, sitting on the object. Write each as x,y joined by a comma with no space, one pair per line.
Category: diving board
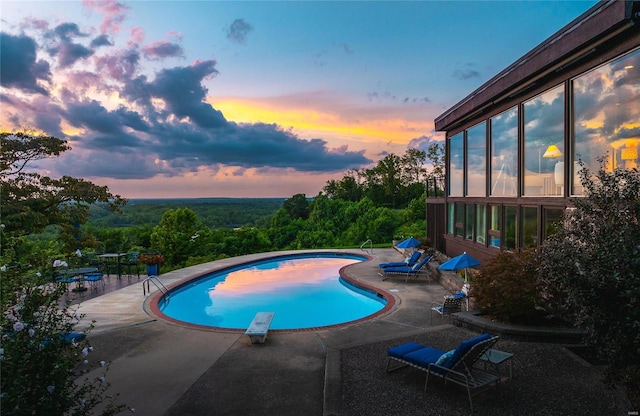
259,327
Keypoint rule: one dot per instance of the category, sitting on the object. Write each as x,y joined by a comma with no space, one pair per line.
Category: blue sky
249,99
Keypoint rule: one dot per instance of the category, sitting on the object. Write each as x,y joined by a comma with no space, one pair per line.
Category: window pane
606,104
456,159
459,220
504,153
510,227
544,144
494,241
481,223
451,218
552,217
529,227
477,160
468,224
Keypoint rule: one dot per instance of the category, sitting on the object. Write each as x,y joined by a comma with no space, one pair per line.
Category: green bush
507,288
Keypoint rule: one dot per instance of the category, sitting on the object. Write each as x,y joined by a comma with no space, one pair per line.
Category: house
514,144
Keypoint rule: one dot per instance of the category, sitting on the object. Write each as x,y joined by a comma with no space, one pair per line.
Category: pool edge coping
151,302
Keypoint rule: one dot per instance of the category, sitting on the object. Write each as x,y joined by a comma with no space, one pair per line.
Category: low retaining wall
472,320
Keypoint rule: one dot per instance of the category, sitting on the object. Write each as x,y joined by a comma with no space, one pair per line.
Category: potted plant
153,262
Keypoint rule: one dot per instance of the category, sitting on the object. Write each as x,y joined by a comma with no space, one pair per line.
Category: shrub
507,288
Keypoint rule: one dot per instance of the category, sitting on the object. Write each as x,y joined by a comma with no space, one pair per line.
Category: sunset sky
163,99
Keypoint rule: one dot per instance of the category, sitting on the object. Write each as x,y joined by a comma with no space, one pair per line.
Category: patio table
113,257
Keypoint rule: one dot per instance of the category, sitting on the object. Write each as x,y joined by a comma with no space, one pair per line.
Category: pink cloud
114,14
137,36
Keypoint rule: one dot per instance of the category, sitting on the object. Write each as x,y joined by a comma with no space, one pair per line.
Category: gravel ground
547,379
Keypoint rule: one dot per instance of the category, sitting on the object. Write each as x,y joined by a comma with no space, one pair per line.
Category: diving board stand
259,327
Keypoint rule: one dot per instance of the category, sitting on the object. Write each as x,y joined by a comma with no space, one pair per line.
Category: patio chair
409,262
451,305
132,261
94,279
407,271
455,366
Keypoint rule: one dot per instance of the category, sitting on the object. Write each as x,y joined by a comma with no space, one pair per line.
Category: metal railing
370,246
146,289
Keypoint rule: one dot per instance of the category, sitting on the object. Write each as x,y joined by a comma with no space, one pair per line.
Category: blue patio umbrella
460,262
409,243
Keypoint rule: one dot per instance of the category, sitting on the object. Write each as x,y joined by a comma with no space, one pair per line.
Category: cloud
65,49
125,120
162,49
114,14
238,31
102,40
464,74
19,66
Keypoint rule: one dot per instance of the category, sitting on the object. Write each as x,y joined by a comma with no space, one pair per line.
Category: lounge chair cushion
424,356
444,357
401,350
464,347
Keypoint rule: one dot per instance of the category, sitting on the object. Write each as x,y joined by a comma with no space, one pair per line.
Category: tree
39,363
31,202
436,155
591,265
176,235
297,206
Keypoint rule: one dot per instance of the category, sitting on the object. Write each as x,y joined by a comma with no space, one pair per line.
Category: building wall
513,153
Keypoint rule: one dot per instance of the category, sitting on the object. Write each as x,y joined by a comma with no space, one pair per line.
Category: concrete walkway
160,368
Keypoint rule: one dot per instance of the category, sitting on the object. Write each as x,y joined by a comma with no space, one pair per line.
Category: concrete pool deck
160,368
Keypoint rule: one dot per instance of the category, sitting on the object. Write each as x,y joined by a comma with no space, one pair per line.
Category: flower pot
153,270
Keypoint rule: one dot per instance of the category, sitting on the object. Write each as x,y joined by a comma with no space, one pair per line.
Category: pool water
304,292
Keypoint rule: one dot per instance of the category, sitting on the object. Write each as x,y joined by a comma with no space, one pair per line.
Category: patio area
160,368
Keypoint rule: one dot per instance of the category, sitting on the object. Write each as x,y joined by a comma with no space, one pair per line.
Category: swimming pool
305,291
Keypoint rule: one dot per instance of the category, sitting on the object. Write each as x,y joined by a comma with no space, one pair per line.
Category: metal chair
450,306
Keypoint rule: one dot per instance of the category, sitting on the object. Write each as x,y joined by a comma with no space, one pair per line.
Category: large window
494,231
504,153
606,106
456,165
468,223
544,144
551,220
477,160
481,223
510,227
529,227
459,219
451,218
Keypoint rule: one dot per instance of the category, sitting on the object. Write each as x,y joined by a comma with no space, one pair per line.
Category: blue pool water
304,292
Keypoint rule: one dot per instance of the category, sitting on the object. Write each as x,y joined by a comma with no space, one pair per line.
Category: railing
157,283
370,246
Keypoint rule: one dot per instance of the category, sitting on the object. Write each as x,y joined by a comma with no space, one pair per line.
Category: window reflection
477,160
529,226
456,165
606,103
544,144
510,227
504,153
468,224
481,223
494,232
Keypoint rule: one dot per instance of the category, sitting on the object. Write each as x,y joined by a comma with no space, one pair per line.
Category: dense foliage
591,266
40,367
508,289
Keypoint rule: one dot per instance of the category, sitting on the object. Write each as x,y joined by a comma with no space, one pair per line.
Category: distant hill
213,212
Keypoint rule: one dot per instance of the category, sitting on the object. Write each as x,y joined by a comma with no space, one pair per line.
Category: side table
497,357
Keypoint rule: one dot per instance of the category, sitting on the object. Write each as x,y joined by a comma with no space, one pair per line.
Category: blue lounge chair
410,262
456,366
407,271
